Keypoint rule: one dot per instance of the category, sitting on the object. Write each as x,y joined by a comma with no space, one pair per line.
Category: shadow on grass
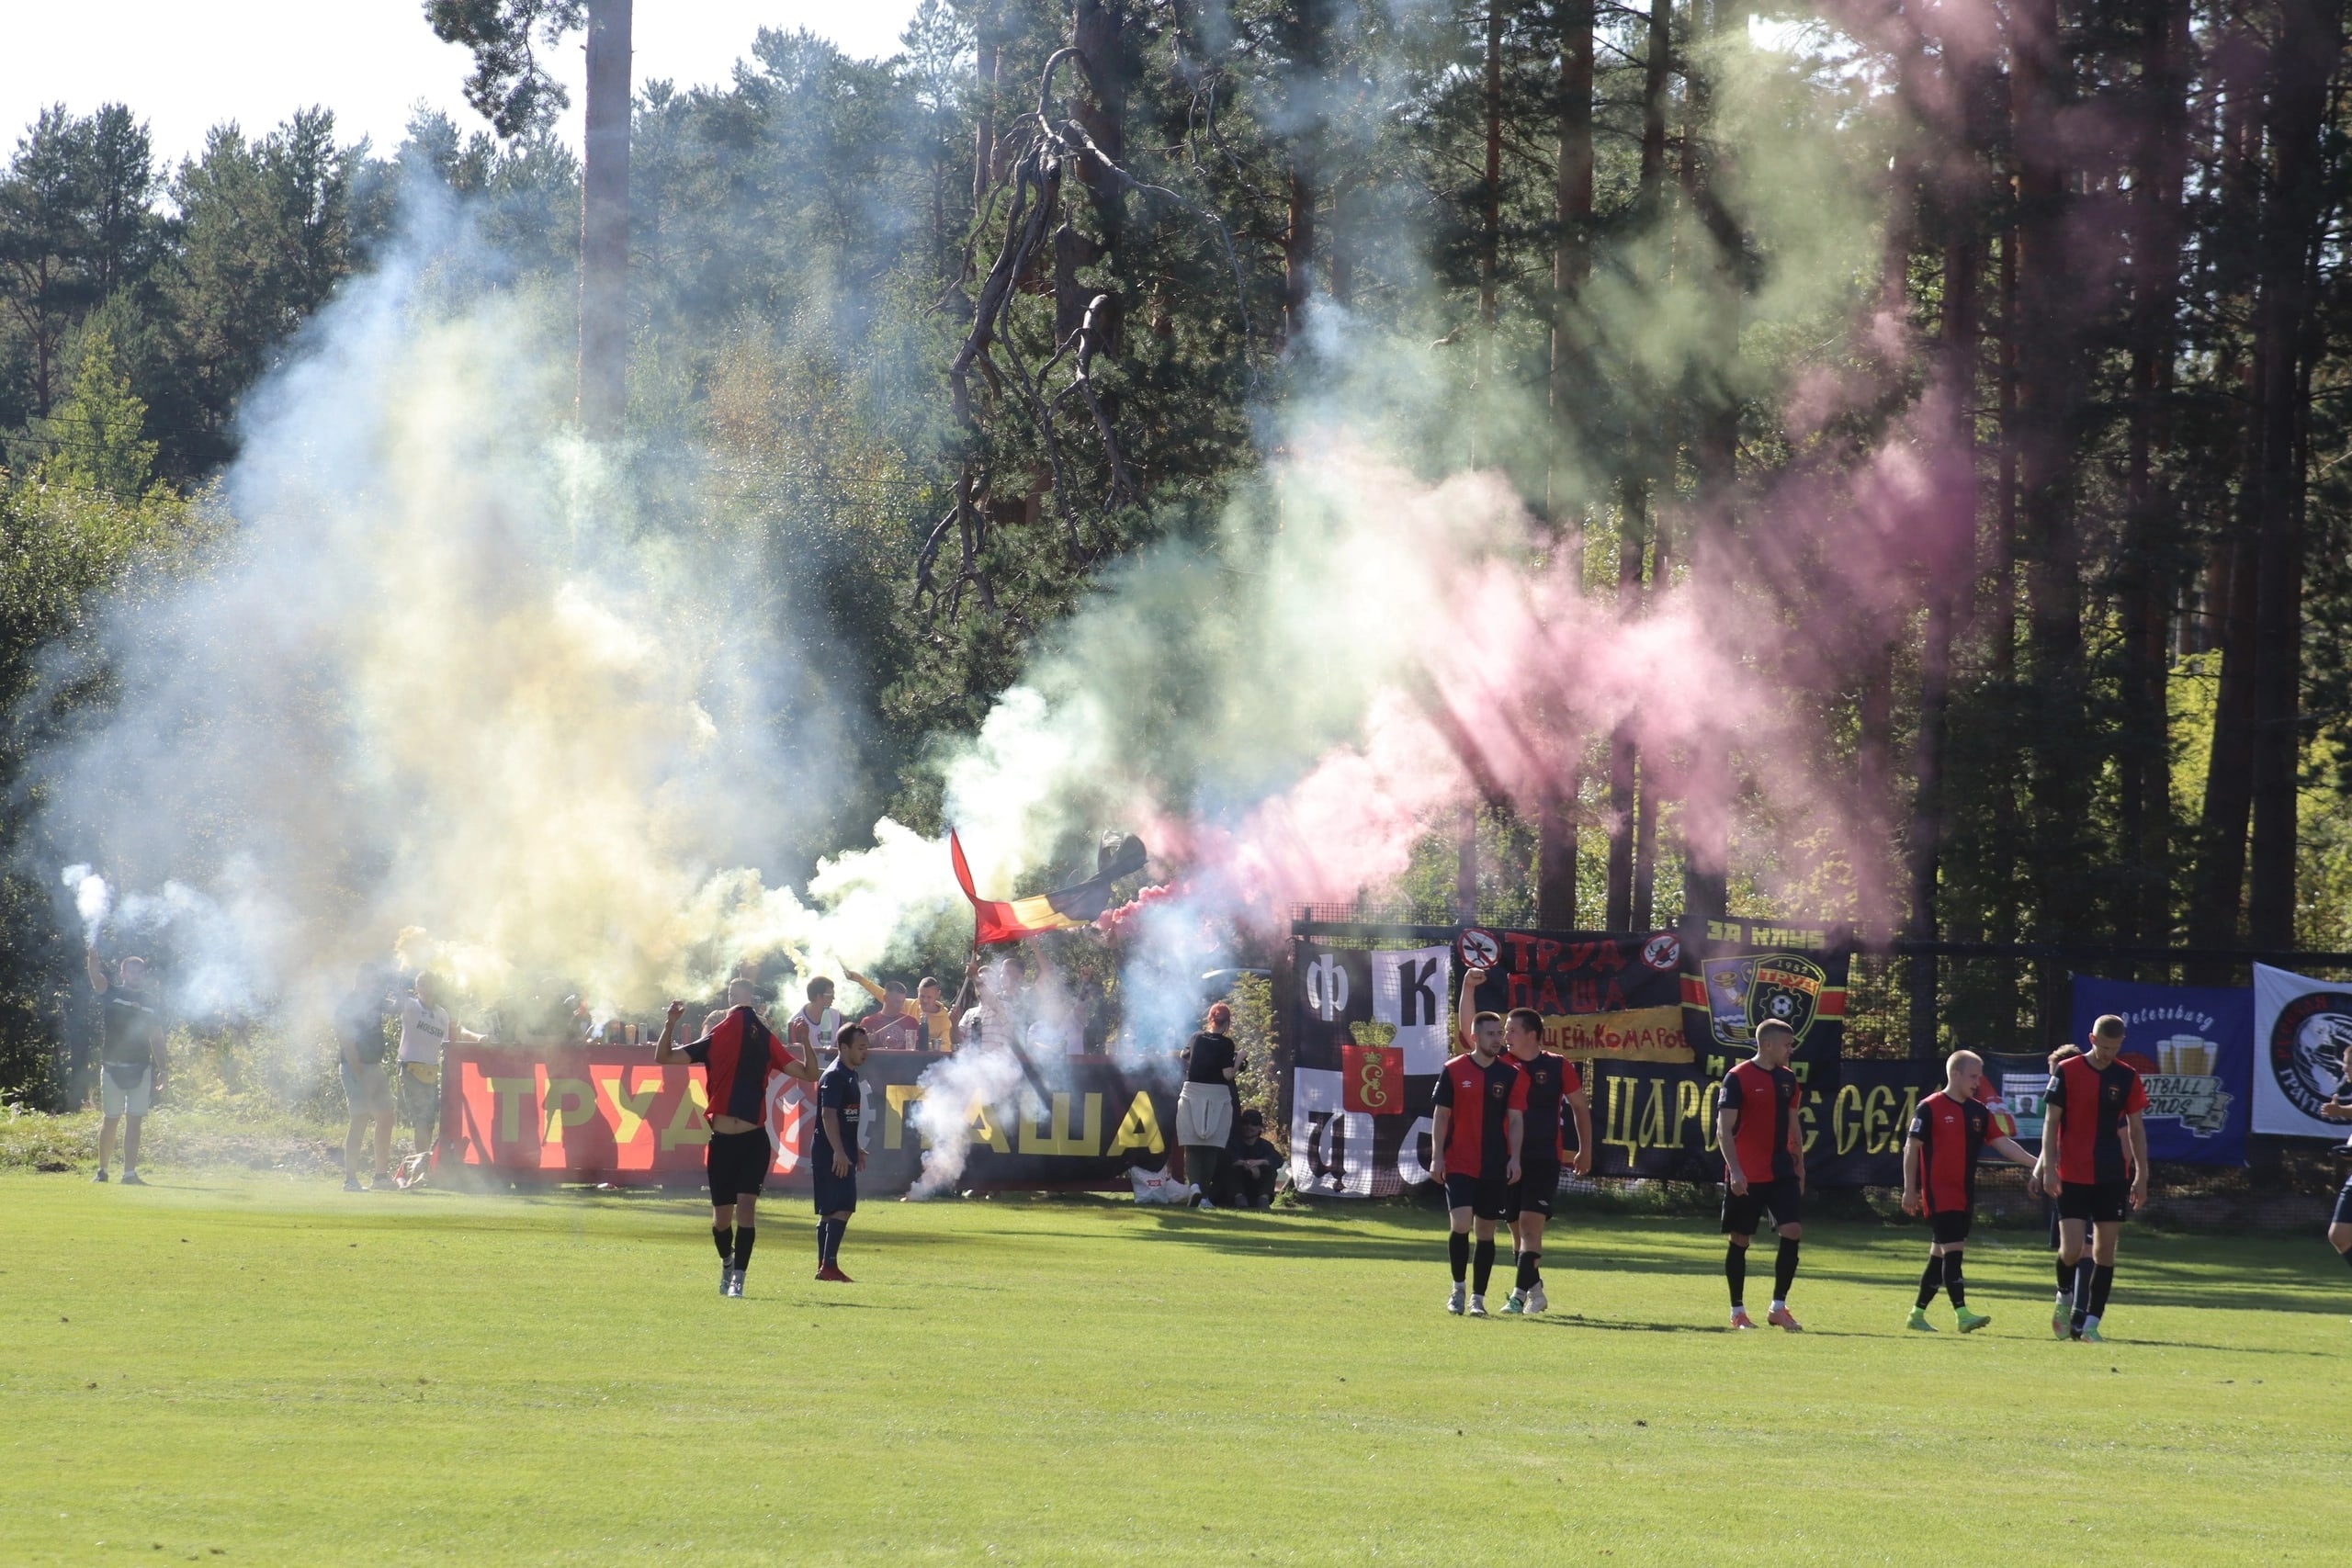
2224,1279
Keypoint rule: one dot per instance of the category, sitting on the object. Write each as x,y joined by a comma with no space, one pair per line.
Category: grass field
249,1369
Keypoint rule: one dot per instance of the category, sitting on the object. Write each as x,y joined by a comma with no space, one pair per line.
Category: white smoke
92,899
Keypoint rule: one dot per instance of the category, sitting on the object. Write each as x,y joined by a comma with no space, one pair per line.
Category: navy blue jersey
840,1092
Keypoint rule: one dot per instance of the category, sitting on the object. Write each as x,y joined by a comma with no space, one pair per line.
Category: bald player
1948,1131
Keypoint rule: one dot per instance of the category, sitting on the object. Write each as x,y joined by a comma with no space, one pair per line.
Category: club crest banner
2300,1028
2194,1050
1738,975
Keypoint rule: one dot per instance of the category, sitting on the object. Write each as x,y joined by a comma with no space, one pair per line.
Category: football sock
1735,1273
824,1230
1930,1280
723,1238
2102,1281
1955,1286
1482,1267
744,1236
833,1241
1527,1275
2065,1279
1785,1270
2085,1272
1457,1252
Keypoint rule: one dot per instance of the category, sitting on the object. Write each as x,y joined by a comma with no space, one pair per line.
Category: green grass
273,1370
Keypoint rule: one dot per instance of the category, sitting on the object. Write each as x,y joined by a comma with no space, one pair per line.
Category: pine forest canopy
2053,291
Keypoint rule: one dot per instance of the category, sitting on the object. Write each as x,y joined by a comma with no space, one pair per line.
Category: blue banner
2194,1048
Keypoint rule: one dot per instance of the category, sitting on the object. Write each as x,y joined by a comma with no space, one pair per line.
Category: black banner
1740,974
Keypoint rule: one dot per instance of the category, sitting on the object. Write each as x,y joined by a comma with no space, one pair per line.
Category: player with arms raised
1757,1127
737,1056
1476,1126
1948,1131
1553,1082
2095,1157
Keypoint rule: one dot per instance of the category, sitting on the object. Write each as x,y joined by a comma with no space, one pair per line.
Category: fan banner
1739,974
608,1114
2301,1027
2194,1049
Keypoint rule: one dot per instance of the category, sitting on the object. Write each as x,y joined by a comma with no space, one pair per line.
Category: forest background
2105,249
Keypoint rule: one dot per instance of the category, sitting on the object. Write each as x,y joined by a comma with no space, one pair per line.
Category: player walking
1948,1131
839,1153
1553,1082
737,1056
2095,1157
1478,1123
1763,1146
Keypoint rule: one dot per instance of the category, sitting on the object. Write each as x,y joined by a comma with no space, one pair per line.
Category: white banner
1340,1139
1409,991
2300,1029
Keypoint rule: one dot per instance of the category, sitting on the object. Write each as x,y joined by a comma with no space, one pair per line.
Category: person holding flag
1478,1122
1948,1131
1756,1126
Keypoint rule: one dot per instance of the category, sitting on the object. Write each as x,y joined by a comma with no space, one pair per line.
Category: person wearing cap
1253,1166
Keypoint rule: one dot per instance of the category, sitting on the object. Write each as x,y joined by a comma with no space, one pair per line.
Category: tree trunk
1624,758
1656,71
1310,32
2143,753
2310,40
2219,890
1100,106
1555,866
2048,396
1491,233
604,224
984,76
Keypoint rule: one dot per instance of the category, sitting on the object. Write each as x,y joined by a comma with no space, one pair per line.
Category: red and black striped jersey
1766,1098
2095,1104
737,1058
1951,1134
1477,1142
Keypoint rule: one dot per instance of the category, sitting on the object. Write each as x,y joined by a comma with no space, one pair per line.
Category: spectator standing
1253,1165
1204,1105
426,1032
814,1028
360,1048
131,1060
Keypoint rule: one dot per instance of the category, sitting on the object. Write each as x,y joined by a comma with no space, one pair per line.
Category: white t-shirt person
424,1032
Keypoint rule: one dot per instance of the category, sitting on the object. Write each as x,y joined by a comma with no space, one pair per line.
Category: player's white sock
2089,1323
1780,1305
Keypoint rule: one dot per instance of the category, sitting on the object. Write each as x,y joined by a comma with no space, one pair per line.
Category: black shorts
2102,1202
738,1164
1486,1197
1780,1196
1951,1226
834,1194
1538,1184
2343,1206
